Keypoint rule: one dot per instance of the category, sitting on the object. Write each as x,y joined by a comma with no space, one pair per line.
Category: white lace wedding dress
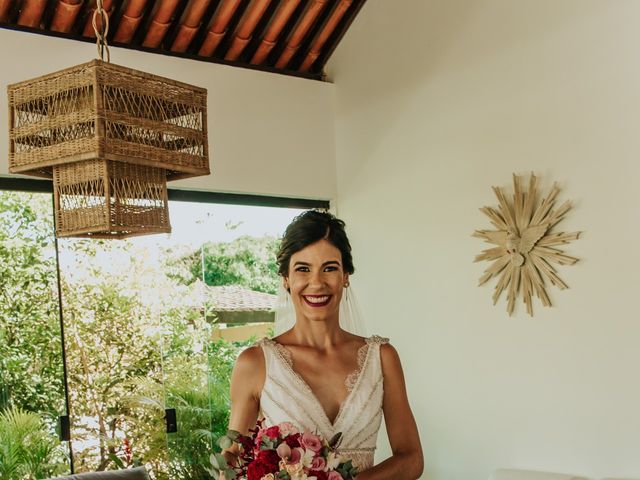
286,397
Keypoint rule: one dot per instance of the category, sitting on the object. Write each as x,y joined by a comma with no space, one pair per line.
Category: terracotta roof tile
235,298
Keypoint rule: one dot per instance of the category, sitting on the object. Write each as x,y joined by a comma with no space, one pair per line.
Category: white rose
333,460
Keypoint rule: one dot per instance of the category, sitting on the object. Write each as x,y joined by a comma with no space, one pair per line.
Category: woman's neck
316,334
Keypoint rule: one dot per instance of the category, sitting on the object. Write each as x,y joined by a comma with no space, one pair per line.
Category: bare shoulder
388,350
249,372
390,359
251,359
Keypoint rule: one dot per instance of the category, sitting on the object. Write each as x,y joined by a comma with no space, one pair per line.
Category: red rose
272,432
293,440
266,462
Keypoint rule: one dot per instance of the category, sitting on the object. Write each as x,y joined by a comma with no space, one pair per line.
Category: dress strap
271,353
377,340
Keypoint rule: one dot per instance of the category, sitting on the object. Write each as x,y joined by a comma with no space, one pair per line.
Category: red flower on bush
265,462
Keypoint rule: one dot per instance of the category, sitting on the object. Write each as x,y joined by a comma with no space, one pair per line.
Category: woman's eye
331,269
302,269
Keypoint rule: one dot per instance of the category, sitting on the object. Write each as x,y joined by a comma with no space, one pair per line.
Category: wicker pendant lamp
110,137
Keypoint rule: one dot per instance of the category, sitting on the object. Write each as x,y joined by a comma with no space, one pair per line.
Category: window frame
20,184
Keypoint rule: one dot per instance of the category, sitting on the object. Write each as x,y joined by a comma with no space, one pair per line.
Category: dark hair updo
308,228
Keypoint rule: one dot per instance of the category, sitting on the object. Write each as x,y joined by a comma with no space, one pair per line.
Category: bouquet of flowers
281,452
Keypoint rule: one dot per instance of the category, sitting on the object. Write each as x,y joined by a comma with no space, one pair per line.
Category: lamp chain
101,35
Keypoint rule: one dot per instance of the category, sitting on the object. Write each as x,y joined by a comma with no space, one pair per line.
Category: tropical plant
197,386
27,450
31,373
131,333
110,343
246,261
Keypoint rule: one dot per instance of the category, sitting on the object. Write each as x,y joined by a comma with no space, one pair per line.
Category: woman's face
316,279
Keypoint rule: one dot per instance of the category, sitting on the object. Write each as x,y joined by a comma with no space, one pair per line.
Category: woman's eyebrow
306,264
331,262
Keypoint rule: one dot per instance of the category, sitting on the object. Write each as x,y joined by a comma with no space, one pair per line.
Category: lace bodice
286,397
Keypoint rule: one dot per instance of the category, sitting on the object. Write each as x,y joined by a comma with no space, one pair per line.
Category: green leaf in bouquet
219,465
335,440
218,461
284,475
225,442
230,474
267,443
347,470
233,434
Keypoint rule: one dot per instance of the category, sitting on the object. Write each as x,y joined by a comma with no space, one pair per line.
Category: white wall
268,134
435,102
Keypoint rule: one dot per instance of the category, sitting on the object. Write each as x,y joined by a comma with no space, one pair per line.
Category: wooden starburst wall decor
526,246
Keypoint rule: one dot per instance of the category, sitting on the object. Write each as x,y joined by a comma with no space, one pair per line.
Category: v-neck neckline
285,357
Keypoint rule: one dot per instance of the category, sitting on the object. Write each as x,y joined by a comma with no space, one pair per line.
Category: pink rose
287,428
311,441
334,476
284,451
318,463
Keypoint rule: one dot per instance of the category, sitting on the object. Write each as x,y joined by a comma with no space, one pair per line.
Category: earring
346,284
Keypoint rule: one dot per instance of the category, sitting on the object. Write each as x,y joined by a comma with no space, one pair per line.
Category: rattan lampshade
110,137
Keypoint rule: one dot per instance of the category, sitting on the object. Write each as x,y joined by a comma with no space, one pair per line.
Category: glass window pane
155,323
31,368
221,259
112,323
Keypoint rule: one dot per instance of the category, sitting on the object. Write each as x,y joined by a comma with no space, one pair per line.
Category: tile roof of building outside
235,298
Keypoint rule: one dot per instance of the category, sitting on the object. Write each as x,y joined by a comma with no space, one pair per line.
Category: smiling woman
316,280
317,375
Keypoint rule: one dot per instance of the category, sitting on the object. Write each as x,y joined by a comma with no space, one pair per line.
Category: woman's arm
247,381
407,461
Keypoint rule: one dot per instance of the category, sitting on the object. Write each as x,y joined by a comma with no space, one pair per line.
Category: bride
318,375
